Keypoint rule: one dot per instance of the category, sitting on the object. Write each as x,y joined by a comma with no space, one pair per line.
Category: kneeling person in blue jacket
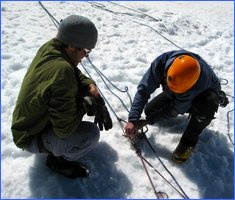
189,86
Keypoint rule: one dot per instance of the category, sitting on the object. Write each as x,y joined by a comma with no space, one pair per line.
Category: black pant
201,113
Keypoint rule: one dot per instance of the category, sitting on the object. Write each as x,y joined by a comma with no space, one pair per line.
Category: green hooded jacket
49,95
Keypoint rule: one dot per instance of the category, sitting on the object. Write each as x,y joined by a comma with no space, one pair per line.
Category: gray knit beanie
79,31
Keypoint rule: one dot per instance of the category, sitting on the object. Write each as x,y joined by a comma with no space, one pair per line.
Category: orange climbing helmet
183,73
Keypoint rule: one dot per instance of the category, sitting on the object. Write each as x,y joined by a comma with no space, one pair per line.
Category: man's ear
71,46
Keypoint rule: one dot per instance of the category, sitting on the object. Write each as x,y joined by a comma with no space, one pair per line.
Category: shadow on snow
105,180
210,167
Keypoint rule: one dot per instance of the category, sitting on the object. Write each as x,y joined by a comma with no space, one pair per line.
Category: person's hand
223,100
102,116
130,128
90,105
93,91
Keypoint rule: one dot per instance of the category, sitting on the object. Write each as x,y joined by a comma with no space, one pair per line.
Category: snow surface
124,52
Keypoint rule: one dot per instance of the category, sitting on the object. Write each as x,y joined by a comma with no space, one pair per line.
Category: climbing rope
144,14
159,195
153,150
138,151
103,7
228,126
55,22
225,82
103,77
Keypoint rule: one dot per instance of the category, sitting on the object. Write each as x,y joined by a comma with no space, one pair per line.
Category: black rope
103,7
143,159
103,77
183,195
55,22
101,92
158,34
228,126
152,18
225,82
160,195
151,147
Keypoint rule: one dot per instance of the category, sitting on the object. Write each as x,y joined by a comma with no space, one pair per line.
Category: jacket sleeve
149,83
82,82
65,116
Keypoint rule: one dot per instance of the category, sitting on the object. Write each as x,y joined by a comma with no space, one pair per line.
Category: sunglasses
86,51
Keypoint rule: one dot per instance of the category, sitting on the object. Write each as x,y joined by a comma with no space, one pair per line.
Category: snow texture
125,49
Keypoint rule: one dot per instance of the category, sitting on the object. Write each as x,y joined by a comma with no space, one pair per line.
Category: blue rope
228,126
55,22
100,90
103,77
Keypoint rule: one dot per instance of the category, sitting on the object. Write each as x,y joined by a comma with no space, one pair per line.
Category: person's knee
92,132
87,134
147,110
205,105
95,133
158,104
212,98
33,146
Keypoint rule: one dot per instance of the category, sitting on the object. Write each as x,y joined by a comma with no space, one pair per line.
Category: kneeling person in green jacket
54,97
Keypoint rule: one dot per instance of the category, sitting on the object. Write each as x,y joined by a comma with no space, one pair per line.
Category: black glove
90,105
102,116
223,100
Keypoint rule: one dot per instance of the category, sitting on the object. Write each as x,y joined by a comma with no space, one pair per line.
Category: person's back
46,70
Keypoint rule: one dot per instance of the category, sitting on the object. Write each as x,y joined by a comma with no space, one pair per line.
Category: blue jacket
156,77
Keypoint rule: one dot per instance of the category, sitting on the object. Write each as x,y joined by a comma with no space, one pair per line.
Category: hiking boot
67,168
182,153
